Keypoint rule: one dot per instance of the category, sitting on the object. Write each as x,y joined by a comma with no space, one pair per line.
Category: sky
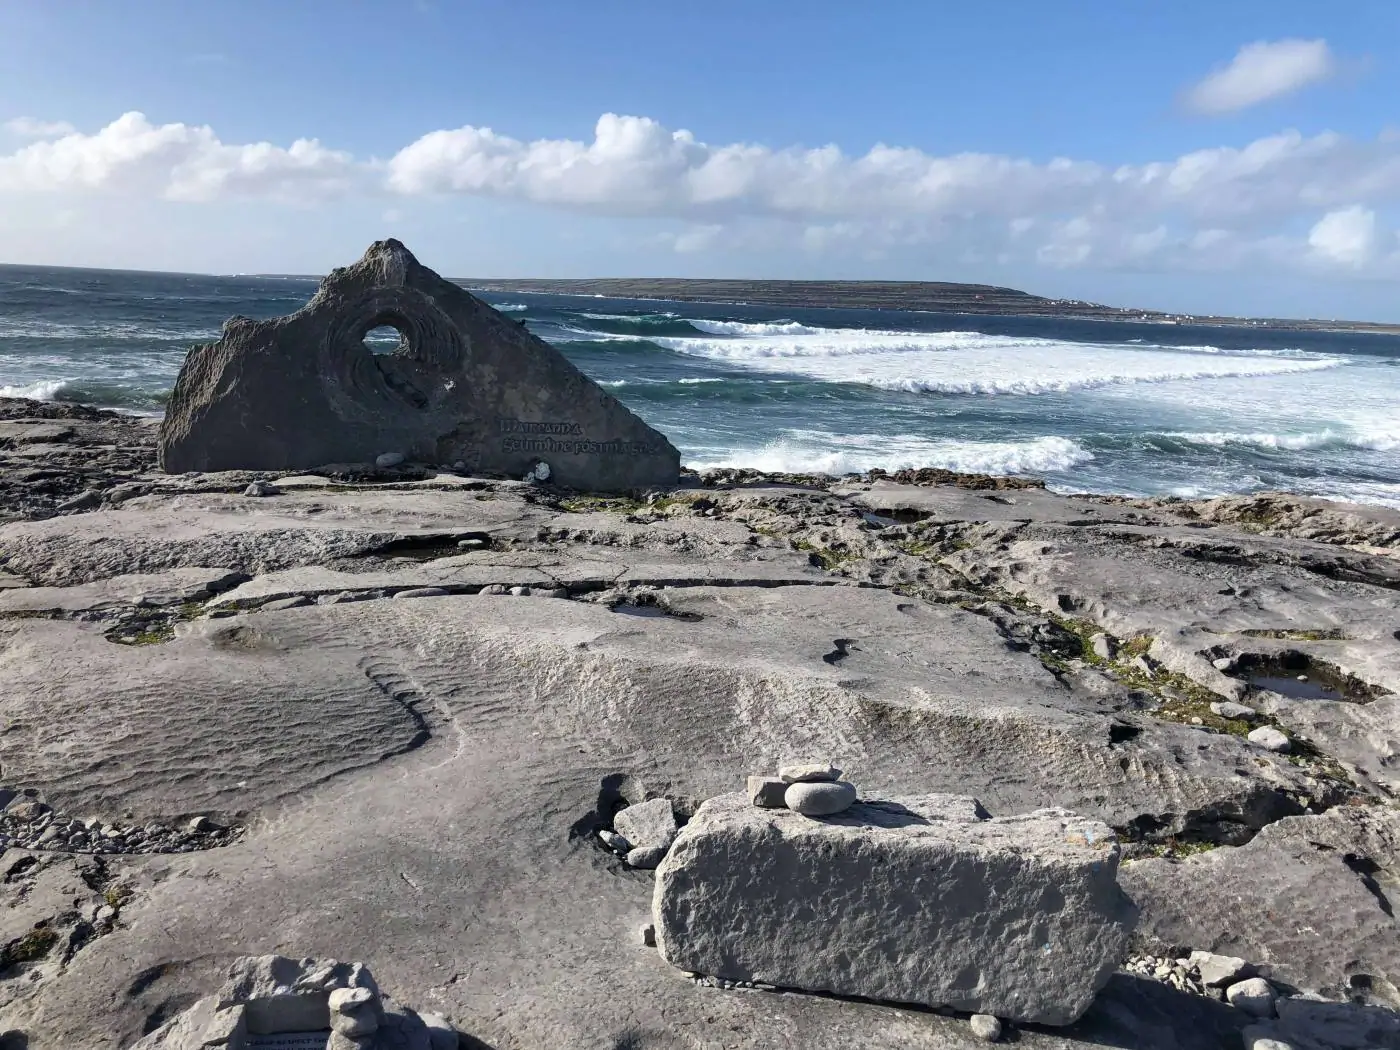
1239,158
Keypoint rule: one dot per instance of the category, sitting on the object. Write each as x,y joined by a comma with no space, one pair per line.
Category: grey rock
472,544
1230,709
648,935
985,1027
767,792
421,592
260,488
645,857
650,823
1143,664
1102,646
614,841
798,772
295,601
551,592
1344,1026
819,798
441,1033
1271,739
520,591
228,1027
89,500
733,898
26,809
1223,663
1254,995
1263,1037
1219,969
464,384
494,588
350,1000
387,460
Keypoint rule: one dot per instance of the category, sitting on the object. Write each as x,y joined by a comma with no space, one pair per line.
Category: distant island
934,296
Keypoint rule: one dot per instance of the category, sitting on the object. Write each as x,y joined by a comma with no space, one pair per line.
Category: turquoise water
1133,408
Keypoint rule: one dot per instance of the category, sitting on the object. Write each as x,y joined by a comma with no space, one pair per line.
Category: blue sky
1238,158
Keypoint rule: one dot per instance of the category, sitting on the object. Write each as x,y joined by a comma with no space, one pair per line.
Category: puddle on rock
654,611
1298,676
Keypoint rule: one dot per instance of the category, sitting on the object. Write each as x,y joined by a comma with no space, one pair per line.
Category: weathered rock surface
465,385
920,902
422,781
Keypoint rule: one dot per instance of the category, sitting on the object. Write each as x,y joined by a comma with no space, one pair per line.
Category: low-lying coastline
928,296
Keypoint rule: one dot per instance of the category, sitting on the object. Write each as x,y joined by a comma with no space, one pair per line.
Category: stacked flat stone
269,995
814,789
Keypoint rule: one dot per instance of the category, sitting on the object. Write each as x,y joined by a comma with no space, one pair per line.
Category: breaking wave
819,452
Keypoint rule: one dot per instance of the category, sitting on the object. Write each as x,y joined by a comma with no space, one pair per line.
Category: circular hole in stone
384,339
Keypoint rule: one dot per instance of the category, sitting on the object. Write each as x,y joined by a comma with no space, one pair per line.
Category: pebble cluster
642,833
29,823
814,789
1222,977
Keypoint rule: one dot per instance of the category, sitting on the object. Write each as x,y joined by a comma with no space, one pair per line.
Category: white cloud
1347,236
1217,208
1262,71
175,161
29,128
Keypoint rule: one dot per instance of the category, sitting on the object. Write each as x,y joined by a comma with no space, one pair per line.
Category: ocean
1090,406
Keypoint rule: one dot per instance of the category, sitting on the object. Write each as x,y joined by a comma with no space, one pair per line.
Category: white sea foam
510,307
42,390
1375,440
958,362
666,315
822,452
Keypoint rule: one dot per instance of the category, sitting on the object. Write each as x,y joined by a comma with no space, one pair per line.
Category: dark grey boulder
465,384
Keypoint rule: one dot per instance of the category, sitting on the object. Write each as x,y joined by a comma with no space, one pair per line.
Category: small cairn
814,789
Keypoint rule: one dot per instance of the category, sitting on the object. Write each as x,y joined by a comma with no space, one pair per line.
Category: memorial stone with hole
465,386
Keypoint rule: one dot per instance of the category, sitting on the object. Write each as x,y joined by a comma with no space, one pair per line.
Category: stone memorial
921,900
465,386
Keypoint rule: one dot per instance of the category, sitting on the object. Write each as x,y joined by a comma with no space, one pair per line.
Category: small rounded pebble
1225,663
1254,996
614,841
1270,739
985,1027
520,592
388,459
821,798
645,856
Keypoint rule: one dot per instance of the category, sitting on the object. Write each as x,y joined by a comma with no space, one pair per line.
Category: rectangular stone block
767,792
918,900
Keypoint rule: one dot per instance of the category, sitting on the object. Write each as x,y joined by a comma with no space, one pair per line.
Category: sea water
1119,407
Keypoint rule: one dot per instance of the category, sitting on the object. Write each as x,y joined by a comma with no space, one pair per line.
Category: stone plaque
290,1041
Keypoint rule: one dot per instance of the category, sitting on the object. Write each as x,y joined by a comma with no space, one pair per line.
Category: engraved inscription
519,435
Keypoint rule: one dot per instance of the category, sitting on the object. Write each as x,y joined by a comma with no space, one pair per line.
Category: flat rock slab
916,900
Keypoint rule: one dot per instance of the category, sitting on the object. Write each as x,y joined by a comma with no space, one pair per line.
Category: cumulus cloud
1221,207
1262,71
29,128
175,161
1348,236
635,166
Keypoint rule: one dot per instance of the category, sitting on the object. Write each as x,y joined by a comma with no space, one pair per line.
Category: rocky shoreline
384,714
